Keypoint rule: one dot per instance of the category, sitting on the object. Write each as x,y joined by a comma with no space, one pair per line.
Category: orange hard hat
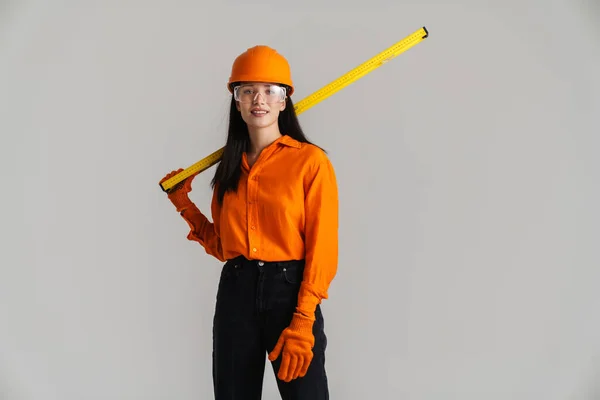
261,64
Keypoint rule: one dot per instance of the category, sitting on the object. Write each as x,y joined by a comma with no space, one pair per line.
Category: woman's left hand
295,346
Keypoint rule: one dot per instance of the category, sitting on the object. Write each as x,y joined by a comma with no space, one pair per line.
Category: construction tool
308,102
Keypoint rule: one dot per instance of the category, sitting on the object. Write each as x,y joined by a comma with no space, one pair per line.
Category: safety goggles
270,93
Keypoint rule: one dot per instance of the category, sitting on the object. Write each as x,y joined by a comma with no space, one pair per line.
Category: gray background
468,176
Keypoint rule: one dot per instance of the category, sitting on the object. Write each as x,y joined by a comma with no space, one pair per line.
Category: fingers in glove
171,174
307,359
292,368
285,365
184,186
299,366
277,349
177,186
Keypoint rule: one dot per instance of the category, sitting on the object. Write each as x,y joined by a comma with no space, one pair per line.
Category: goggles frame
280,97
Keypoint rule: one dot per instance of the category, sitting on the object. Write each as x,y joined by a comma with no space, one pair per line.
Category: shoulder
313,155
316,166
307,157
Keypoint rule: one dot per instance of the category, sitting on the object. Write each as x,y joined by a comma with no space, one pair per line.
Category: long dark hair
228,171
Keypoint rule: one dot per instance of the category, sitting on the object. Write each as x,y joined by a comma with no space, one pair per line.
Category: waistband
242,261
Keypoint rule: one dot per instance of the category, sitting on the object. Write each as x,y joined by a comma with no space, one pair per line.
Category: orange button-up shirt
285,208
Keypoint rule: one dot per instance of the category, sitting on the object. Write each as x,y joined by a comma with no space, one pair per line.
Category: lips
258,112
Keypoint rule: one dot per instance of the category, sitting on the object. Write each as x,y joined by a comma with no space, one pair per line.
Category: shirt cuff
308,299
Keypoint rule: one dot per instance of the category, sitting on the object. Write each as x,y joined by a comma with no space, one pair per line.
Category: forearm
202,231
319,271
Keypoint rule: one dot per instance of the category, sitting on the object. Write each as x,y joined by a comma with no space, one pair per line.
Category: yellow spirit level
306,103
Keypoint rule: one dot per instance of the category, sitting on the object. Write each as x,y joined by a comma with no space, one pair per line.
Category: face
260,103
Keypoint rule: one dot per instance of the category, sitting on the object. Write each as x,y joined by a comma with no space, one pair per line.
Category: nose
256,96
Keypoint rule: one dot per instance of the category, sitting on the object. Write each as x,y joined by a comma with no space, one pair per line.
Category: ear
237,105
283,104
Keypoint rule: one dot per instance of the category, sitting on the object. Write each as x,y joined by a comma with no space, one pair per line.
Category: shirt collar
283,140
289,141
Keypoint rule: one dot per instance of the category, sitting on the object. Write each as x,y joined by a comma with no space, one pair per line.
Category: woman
275,225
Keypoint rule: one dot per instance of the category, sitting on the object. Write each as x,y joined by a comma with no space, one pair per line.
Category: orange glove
297,342
179,193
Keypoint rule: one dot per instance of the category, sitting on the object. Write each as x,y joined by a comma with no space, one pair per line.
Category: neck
261,138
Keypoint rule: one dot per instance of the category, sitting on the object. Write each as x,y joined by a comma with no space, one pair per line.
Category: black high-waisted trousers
255,303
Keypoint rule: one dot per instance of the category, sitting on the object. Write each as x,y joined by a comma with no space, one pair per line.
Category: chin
262,122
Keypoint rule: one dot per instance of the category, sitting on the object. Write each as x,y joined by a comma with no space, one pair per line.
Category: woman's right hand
178,193
183,186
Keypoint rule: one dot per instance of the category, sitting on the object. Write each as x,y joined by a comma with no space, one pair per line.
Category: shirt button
253,227
261,263
254,249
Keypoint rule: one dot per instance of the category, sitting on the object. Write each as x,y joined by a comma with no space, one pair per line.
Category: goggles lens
269,93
